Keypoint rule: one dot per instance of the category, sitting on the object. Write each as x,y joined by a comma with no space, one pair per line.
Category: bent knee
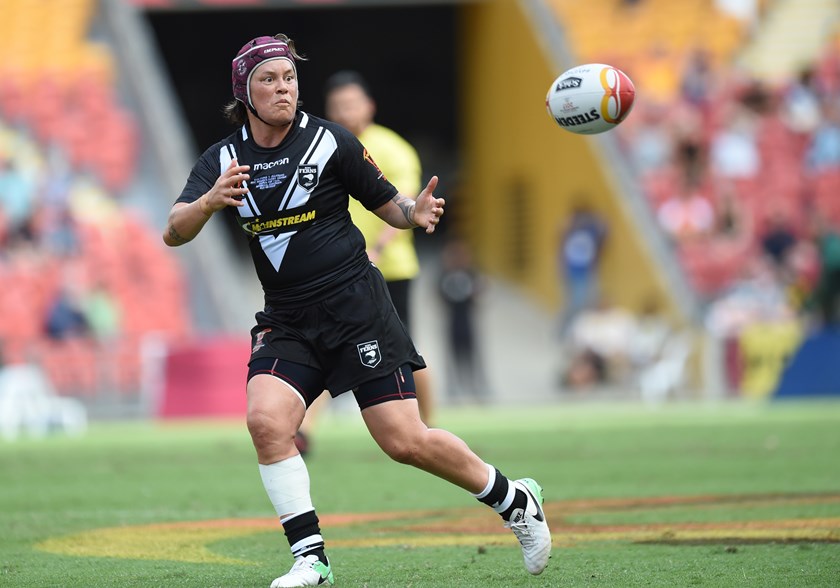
261,423
406,451
272,426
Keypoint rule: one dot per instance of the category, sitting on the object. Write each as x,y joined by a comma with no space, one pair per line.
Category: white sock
491,479
287,485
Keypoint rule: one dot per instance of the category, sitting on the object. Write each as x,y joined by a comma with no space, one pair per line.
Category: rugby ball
590,99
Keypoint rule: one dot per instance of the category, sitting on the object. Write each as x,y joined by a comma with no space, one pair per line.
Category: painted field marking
191,541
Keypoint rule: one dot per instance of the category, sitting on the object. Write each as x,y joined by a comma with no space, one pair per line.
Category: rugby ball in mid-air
590,99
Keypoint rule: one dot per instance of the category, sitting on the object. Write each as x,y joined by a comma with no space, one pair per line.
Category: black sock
519,501
319,552
304,535
498,494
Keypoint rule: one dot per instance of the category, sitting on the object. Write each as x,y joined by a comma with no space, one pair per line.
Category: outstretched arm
404,213
187,219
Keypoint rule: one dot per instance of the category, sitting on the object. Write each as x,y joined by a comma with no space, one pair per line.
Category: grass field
725,495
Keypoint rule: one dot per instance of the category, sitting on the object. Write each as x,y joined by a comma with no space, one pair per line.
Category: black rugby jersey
302,240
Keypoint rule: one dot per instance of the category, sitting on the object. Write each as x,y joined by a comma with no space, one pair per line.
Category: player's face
351,108
274,91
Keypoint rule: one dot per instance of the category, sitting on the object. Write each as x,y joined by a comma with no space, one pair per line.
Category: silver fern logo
369,353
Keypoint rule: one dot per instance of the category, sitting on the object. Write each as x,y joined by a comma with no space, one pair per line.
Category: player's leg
278,393
425,396
391,415
303,439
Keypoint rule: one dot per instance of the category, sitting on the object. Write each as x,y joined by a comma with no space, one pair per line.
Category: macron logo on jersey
270,164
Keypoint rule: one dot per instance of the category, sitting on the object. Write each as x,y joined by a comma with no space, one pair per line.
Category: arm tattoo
176,236
407,206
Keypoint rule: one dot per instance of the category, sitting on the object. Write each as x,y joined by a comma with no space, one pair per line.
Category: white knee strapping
287,485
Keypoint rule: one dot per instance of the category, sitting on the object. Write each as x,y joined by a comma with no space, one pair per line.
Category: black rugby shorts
352,337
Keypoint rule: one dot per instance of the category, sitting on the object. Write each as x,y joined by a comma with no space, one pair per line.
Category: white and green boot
306,571
530,527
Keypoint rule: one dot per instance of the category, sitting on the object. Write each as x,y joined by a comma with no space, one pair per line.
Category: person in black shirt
328,323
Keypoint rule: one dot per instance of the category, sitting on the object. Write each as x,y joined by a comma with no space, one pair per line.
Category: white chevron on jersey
226,155
275,247
319,152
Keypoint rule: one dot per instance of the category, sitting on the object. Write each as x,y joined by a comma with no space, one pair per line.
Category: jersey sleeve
362,177
203,176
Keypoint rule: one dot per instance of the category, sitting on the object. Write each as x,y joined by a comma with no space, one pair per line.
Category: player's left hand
428,209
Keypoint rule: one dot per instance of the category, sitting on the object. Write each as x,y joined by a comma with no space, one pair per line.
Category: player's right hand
230,188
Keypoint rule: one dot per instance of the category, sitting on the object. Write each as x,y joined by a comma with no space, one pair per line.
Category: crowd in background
743,178
75,270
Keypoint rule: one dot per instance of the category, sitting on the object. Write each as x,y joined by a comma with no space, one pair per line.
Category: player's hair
235,111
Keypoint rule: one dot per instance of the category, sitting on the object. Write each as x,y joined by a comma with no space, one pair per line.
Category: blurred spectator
66,317
16,200
778,237
581,248
687,126
599,344
586,370
57,231
686,215
102,313
801,109
733,151
698,79
732,221
758,296
460,288
755,99
56,226
823,151
29,404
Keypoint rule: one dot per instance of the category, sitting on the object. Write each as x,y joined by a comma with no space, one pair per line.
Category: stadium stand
70,149
741,111
703,112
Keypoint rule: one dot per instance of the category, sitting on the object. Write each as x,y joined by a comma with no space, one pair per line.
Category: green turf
752,462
